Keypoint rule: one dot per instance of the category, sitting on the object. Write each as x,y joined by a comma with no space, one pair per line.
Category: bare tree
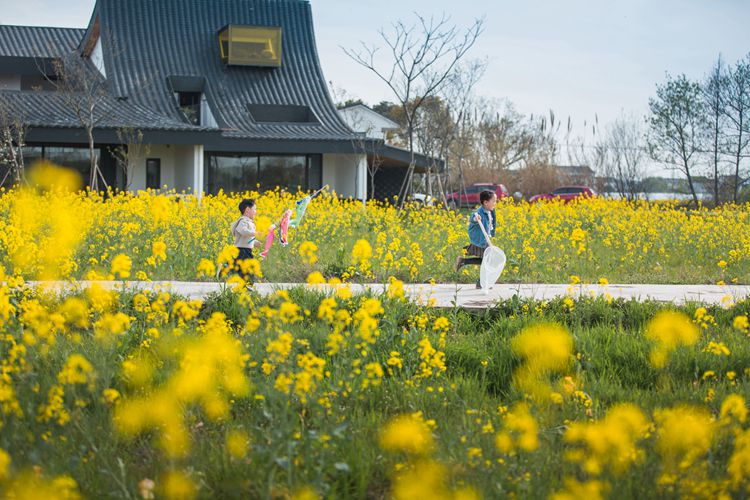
422,58
505,137
432,130
592,151
12,140
737,114
677,126
626,155
463,146
457,98
363,143
129,152
538,177
544,146
500,143
714,93
84,92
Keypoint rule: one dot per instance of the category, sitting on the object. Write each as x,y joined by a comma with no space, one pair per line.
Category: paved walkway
467,296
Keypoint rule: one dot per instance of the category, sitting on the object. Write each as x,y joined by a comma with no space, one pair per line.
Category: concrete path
463,295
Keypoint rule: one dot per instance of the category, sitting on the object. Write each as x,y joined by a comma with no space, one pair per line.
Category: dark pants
474,255
245,253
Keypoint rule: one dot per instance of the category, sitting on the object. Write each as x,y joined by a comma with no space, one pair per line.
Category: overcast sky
576,57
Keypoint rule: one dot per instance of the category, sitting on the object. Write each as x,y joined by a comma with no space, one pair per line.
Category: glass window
75,158
281,113
245,172
250,45
153,173
285,171
190,105
31,154
232,173
314,171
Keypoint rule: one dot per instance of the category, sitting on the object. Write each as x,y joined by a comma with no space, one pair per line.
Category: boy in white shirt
243,232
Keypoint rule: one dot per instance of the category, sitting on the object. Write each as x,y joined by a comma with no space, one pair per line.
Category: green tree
677,126
737,112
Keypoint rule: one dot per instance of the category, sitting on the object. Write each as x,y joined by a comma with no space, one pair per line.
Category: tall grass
325,440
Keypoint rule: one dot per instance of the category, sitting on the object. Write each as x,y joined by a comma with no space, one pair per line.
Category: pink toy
269,241
284,228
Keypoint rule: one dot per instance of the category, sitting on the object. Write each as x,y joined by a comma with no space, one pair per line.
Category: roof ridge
45,27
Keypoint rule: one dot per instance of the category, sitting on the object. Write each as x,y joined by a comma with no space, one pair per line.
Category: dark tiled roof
155,39
403,156
37,41
49,109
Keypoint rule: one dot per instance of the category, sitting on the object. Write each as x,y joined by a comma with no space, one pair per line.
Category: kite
290,219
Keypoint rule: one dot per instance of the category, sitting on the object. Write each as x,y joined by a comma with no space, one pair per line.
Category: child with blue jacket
484,215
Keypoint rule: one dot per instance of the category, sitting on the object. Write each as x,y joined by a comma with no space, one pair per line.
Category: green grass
333,447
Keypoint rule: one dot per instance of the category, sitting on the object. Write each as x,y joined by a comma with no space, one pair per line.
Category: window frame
157,161
312,175
232,36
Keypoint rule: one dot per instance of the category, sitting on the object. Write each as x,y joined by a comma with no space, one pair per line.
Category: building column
198,171
361,188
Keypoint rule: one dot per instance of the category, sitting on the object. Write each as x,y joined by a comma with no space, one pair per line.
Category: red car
565,194
470,198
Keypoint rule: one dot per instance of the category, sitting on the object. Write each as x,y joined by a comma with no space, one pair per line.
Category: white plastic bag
492,267
493,261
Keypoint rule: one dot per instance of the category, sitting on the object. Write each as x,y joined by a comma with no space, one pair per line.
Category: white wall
346,174
207,117
188,169
97,57
137,173
364,120
10,82
181,167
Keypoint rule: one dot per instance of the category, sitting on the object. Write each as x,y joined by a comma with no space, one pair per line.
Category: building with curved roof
207,95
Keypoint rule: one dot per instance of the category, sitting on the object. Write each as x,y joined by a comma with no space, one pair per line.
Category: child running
484,215
243,232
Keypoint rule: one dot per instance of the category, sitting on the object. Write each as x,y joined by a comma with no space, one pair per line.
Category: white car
424,199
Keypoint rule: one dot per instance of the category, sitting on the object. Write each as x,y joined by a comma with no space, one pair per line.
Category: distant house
228,94
580,175
388,162
365,120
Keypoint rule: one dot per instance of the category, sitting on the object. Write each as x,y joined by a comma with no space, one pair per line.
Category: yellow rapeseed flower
684,435
738,467
77,370
176,485
121,266
544,349
669,329
315,278
206,268
110,395
159,251
520,431
407,434
741,323
308,251
4,464
610,444
238,443
733,407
